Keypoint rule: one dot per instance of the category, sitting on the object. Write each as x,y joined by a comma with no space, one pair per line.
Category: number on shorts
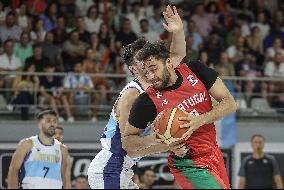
46,171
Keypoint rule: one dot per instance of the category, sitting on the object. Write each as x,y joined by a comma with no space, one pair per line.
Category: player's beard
48,132
165,79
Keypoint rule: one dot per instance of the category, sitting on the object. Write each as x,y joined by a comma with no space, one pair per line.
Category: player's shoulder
26,143
270,157
247,158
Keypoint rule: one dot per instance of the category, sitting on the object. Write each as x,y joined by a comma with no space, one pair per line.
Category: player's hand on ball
192,122
174,22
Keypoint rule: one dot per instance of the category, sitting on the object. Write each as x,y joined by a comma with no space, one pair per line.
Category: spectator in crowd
233,36
84,35
22,16
279,20
105,36
156,21
191,54
213,48
101,84
81,87
261,24
202,21
36,7
149,35
197,39
73,51
8,62
52,93
26,87
49,16
203,57
10,30
81,182
277,47
59,33
259,170
274,68
83,6
146,9
58,135
125,36
147,179
213,14
102,53
2,13
92,20
247,67
255,44
51,51
38,33
236,52
135,17
225,64
38,58
244,25
23,49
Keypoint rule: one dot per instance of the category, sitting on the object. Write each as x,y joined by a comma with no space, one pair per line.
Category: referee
259,170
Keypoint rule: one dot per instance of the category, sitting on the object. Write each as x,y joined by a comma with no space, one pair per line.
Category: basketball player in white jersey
111,168
40,161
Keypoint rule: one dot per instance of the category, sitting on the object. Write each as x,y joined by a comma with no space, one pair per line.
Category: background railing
106,106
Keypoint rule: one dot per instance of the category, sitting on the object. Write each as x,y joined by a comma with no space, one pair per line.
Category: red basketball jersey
192,97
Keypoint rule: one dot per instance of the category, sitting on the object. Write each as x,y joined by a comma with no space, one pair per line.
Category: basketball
167,125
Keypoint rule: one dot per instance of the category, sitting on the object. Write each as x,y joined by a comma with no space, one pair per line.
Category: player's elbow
125,143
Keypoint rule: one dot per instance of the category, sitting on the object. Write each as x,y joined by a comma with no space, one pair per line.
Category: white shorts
110,171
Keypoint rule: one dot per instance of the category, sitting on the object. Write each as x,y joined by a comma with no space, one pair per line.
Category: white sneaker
94,120
71,120
61,119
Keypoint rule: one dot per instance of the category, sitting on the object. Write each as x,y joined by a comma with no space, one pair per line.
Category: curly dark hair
158,50
129,51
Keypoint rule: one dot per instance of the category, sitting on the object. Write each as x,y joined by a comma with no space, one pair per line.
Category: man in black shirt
259,170
125,36
38,58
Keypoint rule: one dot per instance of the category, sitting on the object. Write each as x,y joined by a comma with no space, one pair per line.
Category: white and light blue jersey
111,138
41,168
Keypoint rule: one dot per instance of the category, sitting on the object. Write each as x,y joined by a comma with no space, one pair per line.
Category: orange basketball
167,125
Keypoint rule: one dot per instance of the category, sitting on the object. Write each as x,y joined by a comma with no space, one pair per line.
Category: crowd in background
235,37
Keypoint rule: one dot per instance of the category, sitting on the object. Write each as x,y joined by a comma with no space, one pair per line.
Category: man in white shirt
135,17
8,62
10,30
149,35
275,68
80,84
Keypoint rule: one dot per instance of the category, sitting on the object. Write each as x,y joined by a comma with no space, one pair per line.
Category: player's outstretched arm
22,150
65,168
174,25
226,106
132,142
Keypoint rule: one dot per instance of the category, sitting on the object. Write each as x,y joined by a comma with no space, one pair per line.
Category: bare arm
278,182
17,160
242,183
175,26
65,168
226,106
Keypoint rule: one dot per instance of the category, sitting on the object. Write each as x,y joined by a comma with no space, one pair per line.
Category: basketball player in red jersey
188,87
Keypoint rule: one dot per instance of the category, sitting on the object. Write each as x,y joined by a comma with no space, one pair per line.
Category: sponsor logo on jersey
192,81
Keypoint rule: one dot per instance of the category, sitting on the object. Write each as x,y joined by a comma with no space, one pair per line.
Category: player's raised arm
21,152
174,25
